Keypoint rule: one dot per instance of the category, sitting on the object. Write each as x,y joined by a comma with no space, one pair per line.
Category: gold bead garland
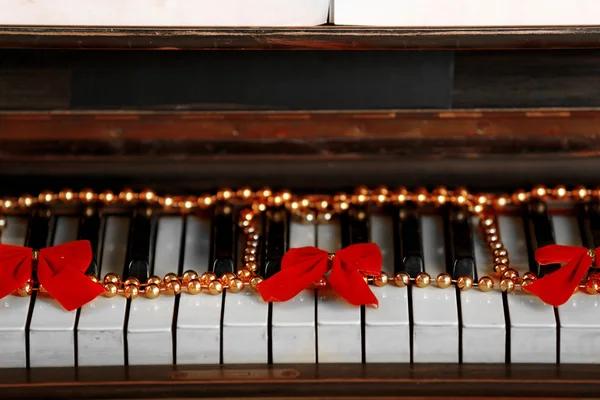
310,208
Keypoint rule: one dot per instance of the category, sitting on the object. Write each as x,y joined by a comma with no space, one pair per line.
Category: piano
193,173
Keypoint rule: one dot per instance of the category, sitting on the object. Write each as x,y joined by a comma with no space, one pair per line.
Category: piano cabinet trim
305,381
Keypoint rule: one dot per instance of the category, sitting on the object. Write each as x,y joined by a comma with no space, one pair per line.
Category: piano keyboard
466,13
164,13
420,325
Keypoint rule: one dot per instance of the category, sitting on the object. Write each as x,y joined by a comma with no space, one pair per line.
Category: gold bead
492,238
440,196
251,266
592,286
423,280
132,291
87,195
499,269
189,276
152,291
464,283
510,274
107,197
526,282
227,278
93,278
485,284
501,201
382,279
254,282
66,195
174,287
131,281
487,222
531,276
207,278
154,280
110,289
148,196
539,192
501,260
244,193
402,279
46,197
26,200
249,257
244,274
420,195
127,195
111,278
496,245
170,277
560,192
194,286
507,285
500,253
215,287
236,285
443,280
520,196
26,289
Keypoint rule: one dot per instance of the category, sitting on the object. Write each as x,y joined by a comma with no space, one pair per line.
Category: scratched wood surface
315,38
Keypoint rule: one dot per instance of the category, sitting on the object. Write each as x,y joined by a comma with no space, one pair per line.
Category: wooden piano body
460,114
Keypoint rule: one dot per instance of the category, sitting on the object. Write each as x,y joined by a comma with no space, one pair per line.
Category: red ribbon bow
59,270
307,265
558,287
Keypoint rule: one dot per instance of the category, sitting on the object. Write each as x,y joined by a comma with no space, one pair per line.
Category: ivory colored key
149,329
293,321
389,323
435,310
100,331
483,319
13,315
580,316
52,329
532,322
338,323
199,316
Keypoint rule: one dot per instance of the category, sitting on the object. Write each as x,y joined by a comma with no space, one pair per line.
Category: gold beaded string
310,208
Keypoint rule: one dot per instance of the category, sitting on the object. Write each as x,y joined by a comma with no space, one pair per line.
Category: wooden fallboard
305,381
302,38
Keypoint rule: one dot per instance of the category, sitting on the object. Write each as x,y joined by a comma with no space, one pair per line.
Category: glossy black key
539,233
460,260
223,241
89,229
407,241
142,234
355,227
38,229
589,223
276,241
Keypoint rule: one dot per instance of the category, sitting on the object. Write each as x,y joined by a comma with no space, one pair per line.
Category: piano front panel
412,324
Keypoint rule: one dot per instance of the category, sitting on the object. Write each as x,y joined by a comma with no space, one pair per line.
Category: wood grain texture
306,381
315,38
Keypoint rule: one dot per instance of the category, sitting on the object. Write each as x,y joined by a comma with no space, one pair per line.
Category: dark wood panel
527,79
305,381
322,37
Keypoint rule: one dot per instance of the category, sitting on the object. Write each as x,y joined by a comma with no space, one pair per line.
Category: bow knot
60,270
302,267
557,287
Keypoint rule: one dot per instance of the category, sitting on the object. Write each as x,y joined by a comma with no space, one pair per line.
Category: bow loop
15,268
557,287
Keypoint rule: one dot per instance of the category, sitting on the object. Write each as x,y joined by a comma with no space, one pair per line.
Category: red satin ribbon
307,265
60,270
558,287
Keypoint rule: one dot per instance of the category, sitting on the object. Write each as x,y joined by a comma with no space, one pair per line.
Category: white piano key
100,331
149,329
483,319
338,322
293,321
13,316
532,322
387,328
466,13
199,316
580,316
52,329
435,310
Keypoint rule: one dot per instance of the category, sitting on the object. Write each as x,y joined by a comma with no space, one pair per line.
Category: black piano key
539,233
89,229
139,251
460,259
589,224
223,241
38,229
407,241
276,241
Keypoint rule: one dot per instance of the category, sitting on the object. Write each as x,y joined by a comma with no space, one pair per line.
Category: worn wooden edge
301,38
118,126
304,380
